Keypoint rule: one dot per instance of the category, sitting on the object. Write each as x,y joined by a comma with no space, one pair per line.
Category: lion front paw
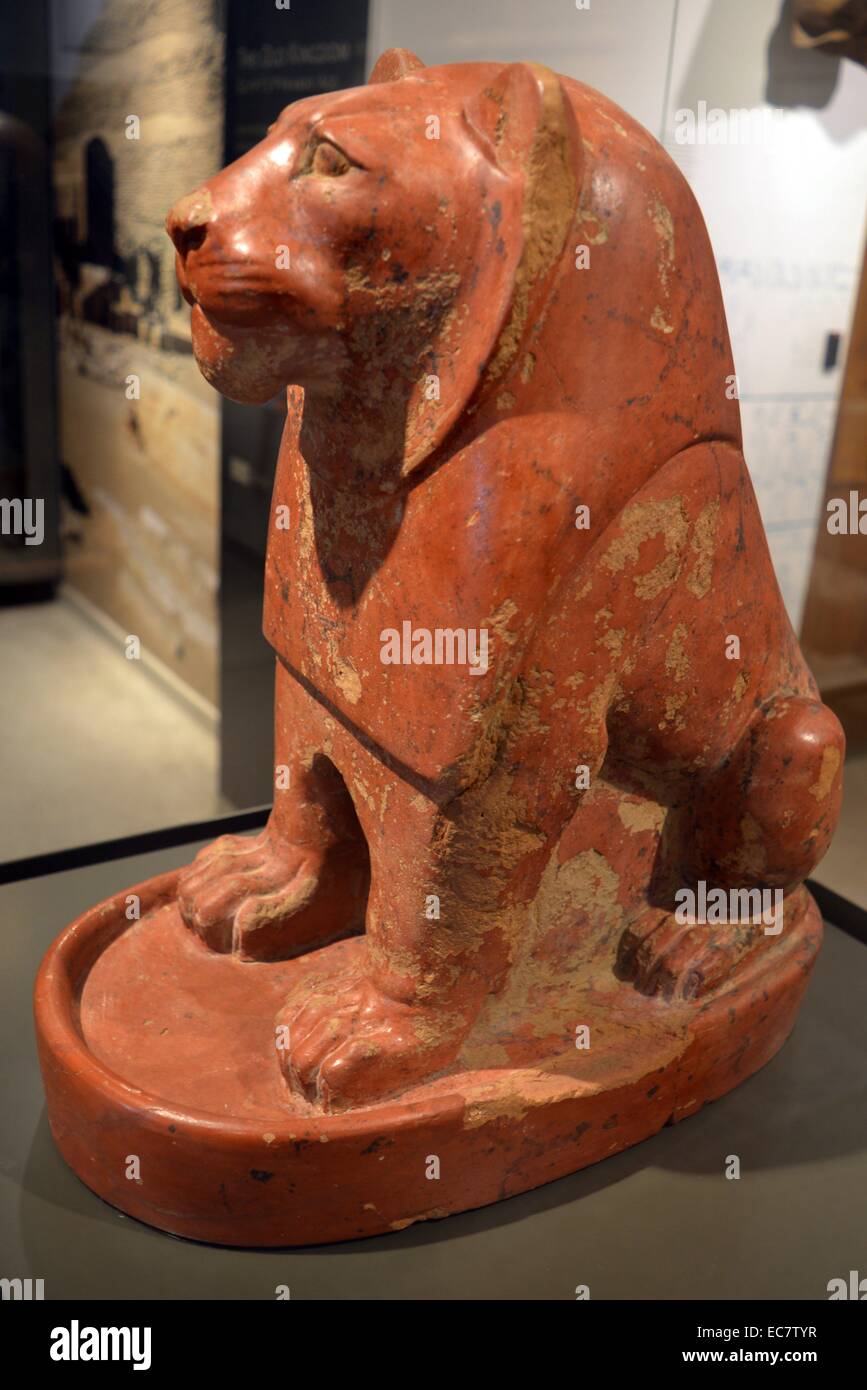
245,894
347,1043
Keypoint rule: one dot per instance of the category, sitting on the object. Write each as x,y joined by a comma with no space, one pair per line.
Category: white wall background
786,216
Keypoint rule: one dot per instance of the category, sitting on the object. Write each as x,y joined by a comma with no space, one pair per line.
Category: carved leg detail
303,880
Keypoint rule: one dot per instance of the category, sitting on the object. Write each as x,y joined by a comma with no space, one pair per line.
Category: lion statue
517,584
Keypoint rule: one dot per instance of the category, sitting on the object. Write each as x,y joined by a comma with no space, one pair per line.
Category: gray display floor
659,1221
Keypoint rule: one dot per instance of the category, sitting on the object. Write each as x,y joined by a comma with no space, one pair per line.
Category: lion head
381,248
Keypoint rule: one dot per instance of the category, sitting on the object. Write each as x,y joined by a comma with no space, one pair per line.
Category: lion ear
522,108
393,64
525,124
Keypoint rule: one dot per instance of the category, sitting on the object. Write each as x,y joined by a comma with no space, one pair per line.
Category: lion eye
328,161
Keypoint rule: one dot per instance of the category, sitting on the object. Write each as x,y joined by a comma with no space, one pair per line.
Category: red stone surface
480,334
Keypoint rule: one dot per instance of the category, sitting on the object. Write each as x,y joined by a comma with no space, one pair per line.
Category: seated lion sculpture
517,584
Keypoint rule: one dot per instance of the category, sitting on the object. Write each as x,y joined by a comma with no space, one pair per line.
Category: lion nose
187,222
187,239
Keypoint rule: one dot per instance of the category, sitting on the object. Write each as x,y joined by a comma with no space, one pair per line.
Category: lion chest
405,614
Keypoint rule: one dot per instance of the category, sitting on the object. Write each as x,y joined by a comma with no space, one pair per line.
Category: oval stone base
155,1048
